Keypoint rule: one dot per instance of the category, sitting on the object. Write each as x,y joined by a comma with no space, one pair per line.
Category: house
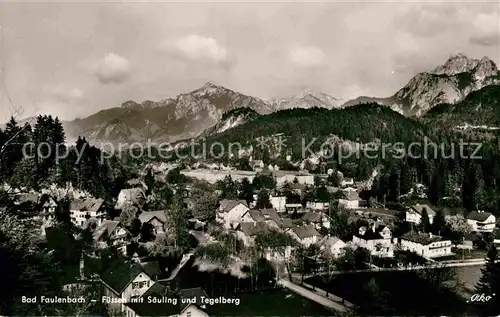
130,196
157,219
333,245
283,177
351,199
278,203
317,205
246,231
414,213
231,212
318,219
481,221
294,208
124,282
376,238
305,235
258,165
347,182
110,232
81,210
426,245
34,202
188,303
136,182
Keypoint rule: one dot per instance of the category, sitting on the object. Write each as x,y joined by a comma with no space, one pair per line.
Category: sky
72,59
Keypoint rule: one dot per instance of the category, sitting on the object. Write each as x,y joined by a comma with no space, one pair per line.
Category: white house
377,239
128,281
231,212
347,182
156,218
278,203
283,177
110,232
82,210
305,235
481,221
318,219
317,205
258,165
351,199
414,213
333,245
132,196
425,245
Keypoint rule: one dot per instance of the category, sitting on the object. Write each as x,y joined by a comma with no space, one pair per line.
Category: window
188,314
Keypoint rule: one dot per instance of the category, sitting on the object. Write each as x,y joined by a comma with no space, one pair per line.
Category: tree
263,200
438,223
128,214
339,222
375,301
149,179
205,205
135,227
227,188
489,283
246,191
275,241
266,181
177,224
147,232
425,223
456,228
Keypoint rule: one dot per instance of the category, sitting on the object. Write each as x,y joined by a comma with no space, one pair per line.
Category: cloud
64,94
486,30
113,69
306,56
198,47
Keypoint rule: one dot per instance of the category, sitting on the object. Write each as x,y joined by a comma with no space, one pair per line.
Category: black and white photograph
249,158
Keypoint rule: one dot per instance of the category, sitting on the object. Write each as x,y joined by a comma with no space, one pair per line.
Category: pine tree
425,223
263,200
489,283
438,223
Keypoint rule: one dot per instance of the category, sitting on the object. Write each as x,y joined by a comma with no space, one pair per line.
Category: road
434,265
312,295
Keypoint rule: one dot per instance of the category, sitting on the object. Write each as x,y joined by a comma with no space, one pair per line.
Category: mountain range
199,112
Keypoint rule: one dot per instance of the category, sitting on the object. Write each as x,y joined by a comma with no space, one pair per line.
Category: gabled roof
312,216
479,216
252,228
132,195
351,195
196,292
89,204
121,275
305,231
147,216
329,241
256,215
26,197
106,228
227,204
418,208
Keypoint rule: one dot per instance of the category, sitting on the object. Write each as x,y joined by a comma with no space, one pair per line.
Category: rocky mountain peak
460,63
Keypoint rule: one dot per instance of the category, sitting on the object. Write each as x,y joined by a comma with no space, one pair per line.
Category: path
312,295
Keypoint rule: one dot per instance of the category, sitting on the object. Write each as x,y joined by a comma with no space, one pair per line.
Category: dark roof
119,276
312,216
479,216
147,216
89,204
256,215
155,290
306,231
420,208
106,228
422,238
252,228
197,293
371,234
453,211
226,205
285,223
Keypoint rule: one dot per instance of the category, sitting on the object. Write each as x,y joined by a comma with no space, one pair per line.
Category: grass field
274,302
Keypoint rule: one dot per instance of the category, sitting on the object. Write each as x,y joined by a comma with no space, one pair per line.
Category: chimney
430,234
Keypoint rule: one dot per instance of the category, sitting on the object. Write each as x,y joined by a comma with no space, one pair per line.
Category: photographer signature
480,298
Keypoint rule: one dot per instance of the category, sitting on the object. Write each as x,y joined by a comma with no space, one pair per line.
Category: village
303,225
